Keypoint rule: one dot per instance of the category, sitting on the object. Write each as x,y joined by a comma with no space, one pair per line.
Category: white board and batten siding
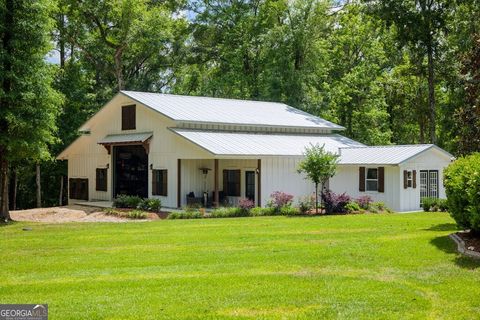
347,180
432,159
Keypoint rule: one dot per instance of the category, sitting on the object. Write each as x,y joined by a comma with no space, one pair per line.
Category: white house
185,149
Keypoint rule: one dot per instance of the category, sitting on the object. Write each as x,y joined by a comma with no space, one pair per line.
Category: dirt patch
472,242
73,213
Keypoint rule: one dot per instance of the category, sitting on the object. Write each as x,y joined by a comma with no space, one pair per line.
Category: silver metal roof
261,144
126,138
393,155
229,111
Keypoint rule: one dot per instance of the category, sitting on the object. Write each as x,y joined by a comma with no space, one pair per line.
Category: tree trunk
15,187
431,91
60,197
39,187
4,211
61,39
316,198
119,68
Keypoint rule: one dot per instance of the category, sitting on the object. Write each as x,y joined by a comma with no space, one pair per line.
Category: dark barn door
131,171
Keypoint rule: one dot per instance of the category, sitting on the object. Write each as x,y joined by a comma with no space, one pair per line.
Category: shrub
289,211
429,204
306,204
280,199
442,205
150,205
185,215
335,203
434,204
228,213
364,202
259,211
462,185
134,214
246,204
352,206
124,201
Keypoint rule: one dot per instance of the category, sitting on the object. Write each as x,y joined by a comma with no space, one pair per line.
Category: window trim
367,179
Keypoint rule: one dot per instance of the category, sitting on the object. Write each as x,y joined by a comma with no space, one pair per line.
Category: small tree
319,165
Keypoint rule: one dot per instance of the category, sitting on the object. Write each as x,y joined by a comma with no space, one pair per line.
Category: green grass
341,267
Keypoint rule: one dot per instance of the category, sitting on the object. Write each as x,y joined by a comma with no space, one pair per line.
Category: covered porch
212,183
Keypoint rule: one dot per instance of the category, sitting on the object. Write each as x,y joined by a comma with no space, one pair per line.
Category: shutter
237,183
164,183
414,176
381,179
128,117
405,179
361,179
225,182
72,186
154,182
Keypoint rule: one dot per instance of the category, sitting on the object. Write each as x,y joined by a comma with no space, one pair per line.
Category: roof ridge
205,97
392,146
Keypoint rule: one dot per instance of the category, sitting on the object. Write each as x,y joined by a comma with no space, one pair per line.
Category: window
78,188
371,180
231,183
409,179
101,180
128,117
159,182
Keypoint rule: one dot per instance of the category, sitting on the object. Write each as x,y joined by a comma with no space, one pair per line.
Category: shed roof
126,138
393,155
261,144
229,111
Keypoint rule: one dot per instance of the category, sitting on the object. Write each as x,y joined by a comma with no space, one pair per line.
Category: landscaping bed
472,241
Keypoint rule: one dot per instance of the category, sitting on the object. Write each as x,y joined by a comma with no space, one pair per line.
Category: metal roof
261,144
126,138
229,111
395,154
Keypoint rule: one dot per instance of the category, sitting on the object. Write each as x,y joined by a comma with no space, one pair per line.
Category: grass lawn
398,266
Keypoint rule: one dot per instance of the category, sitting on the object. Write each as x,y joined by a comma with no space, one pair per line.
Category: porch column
259,188
216,198
179,183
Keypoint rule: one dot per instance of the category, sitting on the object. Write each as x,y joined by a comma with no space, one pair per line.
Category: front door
428,184
250,185
130,174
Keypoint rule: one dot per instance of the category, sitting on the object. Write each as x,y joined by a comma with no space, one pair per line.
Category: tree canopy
390,72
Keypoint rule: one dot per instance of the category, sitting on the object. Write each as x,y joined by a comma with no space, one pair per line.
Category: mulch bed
472,242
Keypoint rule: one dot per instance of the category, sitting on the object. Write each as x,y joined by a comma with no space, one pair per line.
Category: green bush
462,185
228,213
153,205
124,201
306,204
134,214
259,211
352,206
442,205
428,203
434,204
185,215
289,211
